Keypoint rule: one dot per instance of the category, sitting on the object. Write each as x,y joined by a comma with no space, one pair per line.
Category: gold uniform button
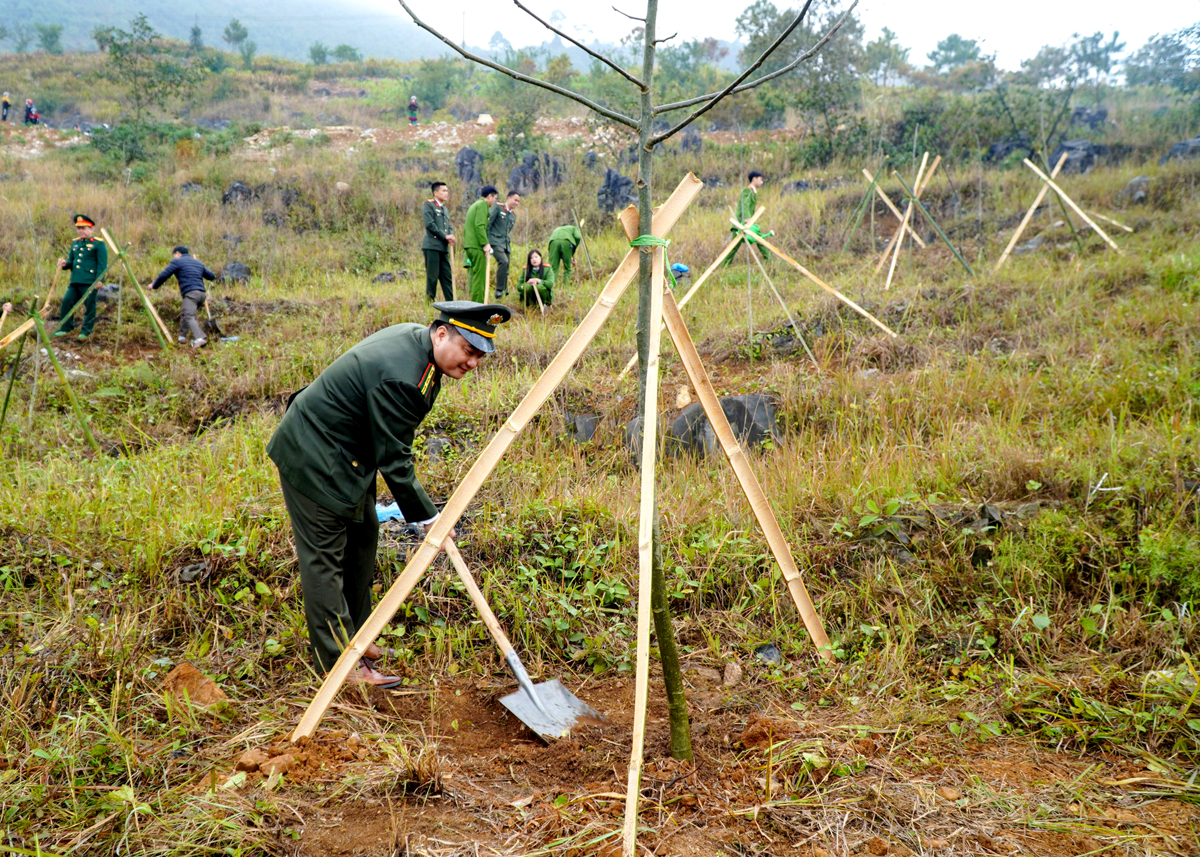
354,464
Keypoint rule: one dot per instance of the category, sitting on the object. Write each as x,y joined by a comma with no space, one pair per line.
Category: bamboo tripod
663,307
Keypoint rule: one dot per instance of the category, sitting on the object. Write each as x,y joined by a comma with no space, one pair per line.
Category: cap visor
481,342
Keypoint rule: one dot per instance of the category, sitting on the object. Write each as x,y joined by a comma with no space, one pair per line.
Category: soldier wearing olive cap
358,418
87,261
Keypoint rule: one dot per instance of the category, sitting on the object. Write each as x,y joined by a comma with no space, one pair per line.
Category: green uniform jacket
567,233
500,224
357,418
86,260
475,229
437,226
747,203
546,289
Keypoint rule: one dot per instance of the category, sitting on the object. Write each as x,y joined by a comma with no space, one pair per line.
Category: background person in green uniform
746,205
435,246
500,223
563,242
87,260
536,276
476,248
356,419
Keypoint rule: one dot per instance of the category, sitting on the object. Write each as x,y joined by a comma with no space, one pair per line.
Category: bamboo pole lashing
687,296
904,225
892,206
646,515
803,270
685,346
487,461
1042,191
883,257
1074,207
795,328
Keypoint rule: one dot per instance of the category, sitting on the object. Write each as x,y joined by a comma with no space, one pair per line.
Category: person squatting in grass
435,246
190,273
355,420
561,250
87,260
500,223
536,276
476,247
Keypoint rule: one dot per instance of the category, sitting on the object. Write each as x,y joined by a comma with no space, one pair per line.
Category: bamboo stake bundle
749,483
803,270
1049,181
729,248
892,206
483,466
904,226
786,311
645,556
160,329
1045,189
918,189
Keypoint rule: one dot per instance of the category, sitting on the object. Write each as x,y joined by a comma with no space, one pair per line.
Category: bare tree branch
665,39
581,46
620,118
627,15
716,96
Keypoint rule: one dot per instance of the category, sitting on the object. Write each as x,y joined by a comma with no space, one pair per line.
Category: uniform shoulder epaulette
427,379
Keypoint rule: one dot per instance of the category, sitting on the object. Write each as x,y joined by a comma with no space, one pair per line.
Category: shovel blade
563,710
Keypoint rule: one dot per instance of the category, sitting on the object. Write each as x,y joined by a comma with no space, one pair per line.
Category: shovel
549,709
210,324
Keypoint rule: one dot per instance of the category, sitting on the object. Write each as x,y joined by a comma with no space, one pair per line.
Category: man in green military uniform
563,242
87,260
747,204
500,223
439,238
356,419
476,247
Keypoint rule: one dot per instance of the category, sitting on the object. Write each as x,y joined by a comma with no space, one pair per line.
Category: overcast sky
1014,31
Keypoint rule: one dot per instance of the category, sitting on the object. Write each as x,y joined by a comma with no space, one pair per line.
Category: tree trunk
681,740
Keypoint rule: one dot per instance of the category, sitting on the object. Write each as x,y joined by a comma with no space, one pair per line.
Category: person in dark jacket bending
190,274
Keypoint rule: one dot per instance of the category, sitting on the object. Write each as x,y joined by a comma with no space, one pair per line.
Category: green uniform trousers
70,298
437,267
560,251
478,273
502,259
337,566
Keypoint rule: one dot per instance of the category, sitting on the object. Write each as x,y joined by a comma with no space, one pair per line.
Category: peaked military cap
82,220
476,322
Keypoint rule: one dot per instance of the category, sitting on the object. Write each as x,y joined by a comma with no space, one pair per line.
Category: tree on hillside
4,33
884,59
235,33
49,37
1171,59
655,123
953,52
1049,67
435,80
318,53
22,37
346,53
139,61
196,39
1095,58
247,50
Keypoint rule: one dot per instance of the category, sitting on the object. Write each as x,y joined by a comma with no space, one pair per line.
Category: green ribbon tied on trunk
655,241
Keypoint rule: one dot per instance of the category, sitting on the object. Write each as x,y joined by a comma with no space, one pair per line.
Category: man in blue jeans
190,274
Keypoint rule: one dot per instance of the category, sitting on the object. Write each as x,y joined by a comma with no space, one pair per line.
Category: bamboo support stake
16,364
29,324
645,555
1045,189
803,270
892,206
453,276
487,277
786,311
483,466
1074,207
936,228
583,241
1115,223
749,483
908,210
62,376
160,329
918,189
50,294
729,248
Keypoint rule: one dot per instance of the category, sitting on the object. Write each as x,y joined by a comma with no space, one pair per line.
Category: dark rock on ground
1093,117
234,241
437,447
713,181
752,418
1030,246
615,192
797,186
1183,149
324,90
189,188
234,272
421,165
389,276
535,172
1081,155
1005,146
238,192
589,160
1136,190
769,653
691,142
108,292
581,428
469,165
